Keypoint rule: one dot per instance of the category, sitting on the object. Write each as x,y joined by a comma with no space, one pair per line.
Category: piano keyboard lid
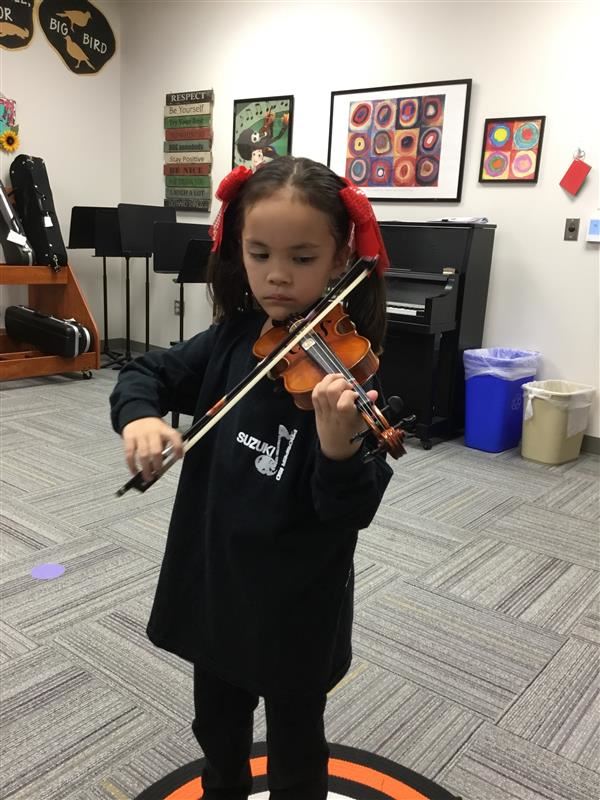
414,293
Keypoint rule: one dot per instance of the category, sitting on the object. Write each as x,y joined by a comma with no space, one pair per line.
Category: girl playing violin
256,585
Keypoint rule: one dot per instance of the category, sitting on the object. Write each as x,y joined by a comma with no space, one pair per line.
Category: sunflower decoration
9,141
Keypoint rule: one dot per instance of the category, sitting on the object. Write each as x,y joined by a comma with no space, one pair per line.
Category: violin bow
361,269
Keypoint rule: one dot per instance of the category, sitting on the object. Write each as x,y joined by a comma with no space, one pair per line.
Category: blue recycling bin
493,396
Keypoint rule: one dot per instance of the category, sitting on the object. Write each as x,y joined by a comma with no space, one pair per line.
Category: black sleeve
162,380
349,492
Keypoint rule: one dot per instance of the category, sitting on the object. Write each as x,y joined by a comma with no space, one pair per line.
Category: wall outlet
177,308
571,230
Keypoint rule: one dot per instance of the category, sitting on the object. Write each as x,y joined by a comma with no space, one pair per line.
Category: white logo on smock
271,460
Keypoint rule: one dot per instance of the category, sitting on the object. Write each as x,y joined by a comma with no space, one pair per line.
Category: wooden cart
56,293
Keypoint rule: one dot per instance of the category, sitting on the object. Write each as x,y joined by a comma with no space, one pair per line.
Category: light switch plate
571,230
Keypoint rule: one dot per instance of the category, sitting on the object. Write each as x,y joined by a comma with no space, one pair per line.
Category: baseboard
136,347
591,444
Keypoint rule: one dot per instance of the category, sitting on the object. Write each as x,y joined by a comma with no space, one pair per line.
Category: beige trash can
555,416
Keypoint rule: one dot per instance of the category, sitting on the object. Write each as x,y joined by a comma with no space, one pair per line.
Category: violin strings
327,360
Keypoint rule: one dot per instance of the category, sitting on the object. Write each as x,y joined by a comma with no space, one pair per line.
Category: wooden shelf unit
56,293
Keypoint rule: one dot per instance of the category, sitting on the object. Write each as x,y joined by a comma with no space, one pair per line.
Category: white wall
74,123
524,58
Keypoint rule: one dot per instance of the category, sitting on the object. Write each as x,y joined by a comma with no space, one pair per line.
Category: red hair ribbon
367,235
228,190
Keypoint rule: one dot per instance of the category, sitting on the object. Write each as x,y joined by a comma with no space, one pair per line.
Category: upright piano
436,290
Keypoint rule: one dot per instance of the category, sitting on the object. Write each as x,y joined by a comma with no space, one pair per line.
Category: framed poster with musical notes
262,130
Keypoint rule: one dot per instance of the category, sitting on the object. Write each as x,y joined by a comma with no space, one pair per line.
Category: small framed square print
511,150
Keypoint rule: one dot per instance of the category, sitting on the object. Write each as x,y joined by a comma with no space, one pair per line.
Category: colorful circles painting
401,142
522,163
512,148
382,143
406,142
499,136
432,112
386,137
404,172
395,142
427,171
380,172
359,144
408,111
384,114
357,170
361,116
526,135
496,165
430,141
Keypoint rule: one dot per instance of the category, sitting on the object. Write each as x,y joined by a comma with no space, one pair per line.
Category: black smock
257,579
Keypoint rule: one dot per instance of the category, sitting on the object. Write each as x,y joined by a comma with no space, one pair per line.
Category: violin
333,346
285,352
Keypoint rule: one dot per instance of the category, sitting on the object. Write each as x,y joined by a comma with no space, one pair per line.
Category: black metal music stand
86,233
137,237
172,240
195,266
176,251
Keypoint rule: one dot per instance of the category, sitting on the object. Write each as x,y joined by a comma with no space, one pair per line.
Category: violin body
301,372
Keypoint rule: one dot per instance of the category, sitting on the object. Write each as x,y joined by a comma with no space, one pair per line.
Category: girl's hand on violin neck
337,417
144,441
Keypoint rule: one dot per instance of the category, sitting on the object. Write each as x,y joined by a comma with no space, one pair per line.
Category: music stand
85,234
176,251
194,268
137,236
171,243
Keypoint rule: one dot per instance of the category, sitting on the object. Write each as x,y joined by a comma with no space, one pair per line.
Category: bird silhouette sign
16,24
79,33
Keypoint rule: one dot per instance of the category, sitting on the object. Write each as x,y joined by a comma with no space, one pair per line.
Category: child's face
289,253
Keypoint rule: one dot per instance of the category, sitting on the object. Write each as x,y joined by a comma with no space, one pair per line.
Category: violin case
35,206
14,247
51,335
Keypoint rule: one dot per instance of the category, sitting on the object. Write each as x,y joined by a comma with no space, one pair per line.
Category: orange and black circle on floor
353,775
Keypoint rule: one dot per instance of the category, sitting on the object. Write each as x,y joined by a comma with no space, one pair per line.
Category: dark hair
319,186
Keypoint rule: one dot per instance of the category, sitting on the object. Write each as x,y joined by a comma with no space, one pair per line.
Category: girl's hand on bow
337,417
144,441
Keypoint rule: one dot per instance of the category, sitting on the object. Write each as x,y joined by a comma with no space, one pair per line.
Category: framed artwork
401,143
512,148
262,130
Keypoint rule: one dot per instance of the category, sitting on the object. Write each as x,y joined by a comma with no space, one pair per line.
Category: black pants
297,752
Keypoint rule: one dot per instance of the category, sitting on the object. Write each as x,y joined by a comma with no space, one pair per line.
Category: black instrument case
35,206
59,337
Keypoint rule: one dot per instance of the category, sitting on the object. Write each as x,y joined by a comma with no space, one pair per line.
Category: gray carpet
476,638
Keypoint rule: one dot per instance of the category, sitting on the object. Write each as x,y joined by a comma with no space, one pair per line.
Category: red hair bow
367,235
227,191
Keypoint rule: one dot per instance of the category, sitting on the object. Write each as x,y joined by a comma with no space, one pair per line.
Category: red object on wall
575,176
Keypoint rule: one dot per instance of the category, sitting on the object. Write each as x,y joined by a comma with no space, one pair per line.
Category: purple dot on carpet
46,572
